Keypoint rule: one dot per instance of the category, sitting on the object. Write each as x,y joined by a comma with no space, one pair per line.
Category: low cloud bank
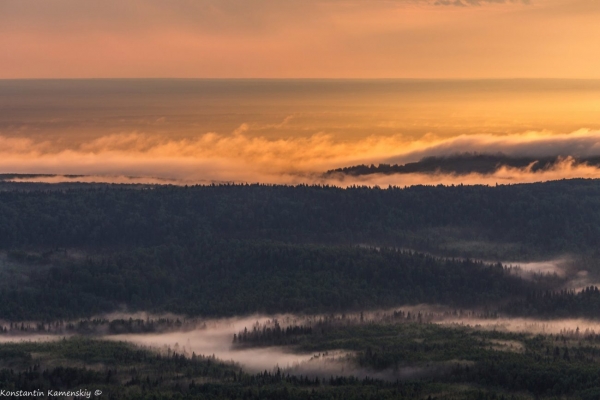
244,157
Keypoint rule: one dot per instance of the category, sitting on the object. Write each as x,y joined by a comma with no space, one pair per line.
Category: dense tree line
208,250
561,303
272,335
219,278
553,217
99,326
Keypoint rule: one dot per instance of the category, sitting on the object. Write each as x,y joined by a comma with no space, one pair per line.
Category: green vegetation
220,278
117,369
546,218
208,250
452,363
75,251
544,365
560,304
122,371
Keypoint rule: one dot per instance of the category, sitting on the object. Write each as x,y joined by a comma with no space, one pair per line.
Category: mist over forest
289,291
300,199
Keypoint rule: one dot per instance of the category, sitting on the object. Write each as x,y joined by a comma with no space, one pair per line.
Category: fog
574,273
168,333
214,337
540,267
290,132
179,171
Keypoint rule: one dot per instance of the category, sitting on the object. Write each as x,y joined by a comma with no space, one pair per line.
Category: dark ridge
462,164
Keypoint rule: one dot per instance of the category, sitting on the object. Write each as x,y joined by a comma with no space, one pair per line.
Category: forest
87,271
226,278
528,219
415,360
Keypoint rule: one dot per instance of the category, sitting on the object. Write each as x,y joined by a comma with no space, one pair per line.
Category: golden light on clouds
241,157
292,130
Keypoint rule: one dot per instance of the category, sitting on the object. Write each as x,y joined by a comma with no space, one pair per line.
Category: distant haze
289,131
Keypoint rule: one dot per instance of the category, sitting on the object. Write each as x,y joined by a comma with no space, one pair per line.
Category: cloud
244,157
235,157
581,143
567,169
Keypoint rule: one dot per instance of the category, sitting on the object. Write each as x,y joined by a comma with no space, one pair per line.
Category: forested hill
218,278
550,217
238,249
462,164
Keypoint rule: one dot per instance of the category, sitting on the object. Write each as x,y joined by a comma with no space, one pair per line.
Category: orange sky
291,131
300,38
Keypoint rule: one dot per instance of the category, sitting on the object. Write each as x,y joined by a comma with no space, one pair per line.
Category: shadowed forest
128,288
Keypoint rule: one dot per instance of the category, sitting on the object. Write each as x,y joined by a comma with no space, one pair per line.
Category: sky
291,131
403,79
462,39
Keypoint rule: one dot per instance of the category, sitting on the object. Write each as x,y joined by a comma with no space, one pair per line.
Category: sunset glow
461,58
300,39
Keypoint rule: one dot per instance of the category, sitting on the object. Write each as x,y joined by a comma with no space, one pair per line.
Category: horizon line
297,79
